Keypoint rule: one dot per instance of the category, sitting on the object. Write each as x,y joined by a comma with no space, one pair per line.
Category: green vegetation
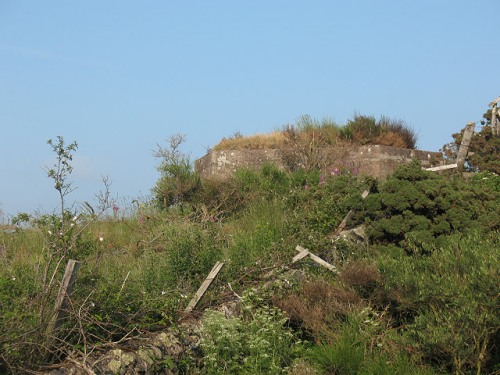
258,342
420,296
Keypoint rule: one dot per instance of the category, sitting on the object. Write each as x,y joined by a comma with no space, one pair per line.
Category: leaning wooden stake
495,124
343,223
462,151
464,146
62,297
203,288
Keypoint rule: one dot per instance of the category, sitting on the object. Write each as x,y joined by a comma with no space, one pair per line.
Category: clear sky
120,76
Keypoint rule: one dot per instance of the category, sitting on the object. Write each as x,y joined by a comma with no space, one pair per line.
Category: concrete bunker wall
371,160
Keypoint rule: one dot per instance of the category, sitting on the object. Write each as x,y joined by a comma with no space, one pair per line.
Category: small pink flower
335,172
116,209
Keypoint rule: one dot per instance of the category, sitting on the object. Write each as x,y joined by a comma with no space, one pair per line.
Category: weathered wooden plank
317,259
494,102
495,124
323,263
300,255
441,167
64,291
464,146
204,286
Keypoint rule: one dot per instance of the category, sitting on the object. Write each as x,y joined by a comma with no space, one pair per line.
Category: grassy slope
422,299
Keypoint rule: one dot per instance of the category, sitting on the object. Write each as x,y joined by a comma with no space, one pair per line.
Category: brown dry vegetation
359,131
253,142
318,305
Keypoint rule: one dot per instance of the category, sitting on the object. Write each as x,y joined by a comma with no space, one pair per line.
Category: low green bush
258,342
448,301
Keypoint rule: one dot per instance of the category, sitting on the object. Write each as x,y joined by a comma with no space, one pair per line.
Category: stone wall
371,160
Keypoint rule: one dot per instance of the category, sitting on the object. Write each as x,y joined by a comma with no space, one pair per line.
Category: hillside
414,290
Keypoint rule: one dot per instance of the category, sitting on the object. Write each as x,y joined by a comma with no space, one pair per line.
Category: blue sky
121,76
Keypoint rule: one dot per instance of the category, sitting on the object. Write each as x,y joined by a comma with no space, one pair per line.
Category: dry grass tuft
254,142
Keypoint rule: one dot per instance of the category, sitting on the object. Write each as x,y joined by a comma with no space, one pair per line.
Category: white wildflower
101,239
50,232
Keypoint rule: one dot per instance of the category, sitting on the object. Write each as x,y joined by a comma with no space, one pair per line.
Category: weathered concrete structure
371,160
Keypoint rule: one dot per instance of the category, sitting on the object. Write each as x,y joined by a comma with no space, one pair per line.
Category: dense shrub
414,208
448,301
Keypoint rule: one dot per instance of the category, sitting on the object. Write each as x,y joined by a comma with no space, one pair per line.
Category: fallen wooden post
442,167
305,252
204,286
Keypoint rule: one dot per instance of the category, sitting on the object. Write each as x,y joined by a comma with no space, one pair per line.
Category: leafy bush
256,343
449,300
178,180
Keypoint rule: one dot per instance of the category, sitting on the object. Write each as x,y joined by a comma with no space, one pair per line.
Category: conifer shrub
414,208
